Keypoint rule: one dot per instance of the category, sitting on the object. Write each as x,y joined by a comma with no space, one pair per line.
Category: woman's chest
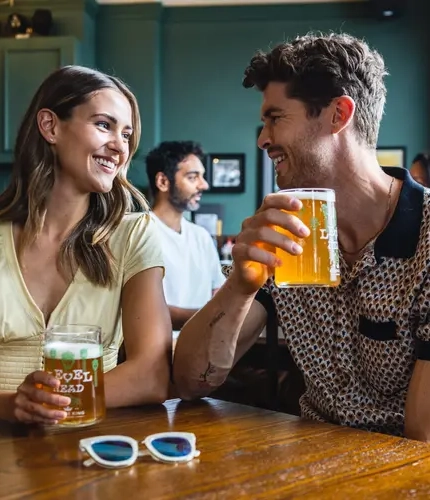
44,280
21,317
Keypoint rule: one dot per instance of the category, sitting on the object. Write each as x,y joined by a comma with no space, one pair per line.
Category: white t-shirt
191,262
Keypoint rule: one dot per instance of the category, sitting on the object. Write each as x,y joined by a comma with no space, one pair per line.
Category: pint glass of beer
74,355
318,265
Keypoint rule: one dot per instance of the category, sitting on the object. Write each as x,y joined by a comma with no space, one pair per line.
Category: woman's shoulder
134,225
135,242
5,230
133,220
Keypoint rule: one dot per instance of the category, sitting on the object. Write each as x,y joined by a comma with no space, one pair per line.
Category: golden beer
318,265
76,359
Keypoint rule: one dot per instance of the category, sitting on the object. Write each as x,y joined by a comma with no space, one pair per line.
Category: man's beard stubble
305,167
180,203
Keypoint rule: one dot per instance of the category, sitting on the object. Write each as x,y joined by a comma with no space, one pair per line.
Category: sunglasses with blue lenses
123,451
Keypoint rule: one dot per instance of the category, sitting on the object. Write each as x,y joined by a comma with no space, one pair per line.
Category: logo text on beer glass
330,233
75,375
73,379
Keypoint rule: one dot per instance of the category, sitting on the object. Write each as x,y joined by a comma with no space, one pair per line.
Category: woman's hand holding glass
32,404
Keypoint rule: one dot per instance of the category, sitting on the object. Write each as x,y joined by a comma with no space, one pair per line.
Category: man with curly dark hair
192,268
363,347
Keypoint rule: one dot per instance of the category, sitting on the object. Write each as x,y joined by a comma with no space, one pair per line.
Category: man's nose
204,186
264,140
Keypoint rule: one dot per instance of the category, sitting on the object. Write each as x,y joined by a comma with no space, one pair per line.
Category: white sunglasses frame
86,445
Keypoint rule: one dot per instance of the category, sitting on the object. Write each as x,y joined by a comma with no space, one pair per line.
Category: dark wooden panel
24,65
20,85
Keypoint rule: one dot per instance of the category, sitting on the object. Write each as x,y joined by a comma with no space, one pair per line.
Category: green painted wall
206,51
129,46
186,65
74,20
203,52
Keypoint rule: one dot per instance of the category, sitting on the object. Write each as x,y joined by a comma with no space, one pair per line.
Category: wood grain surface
245,453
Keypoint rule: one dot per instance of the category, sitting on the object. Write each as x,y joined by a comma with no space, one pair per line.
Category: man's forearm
180,316
206,348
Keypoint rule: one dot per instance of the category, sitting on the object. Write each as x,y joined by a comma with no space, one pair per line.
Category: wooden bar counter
245,453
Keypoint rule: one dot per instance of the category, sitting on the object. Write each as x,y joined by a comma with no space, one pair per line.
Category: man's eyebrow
111,118
195,172
268,112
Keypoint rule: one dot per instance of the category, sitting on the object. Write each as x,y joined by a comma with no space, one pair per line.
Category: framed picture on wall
210,216
266,175
226,172
391,156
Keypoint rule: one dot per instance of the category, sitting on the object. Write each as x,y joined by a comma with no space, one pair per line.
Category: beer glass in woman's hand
74,356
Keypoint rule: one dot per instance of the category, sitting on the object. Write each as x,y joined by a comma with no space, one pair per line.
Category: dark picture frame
391,156
208,216
266,177
225,172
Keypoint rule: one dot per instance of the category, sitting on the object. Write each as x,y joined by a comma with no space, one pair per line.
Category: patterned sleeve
143,247
226,270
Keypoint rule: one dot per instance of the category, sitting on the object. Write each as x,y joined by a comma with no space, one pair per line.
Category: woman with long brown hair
73,251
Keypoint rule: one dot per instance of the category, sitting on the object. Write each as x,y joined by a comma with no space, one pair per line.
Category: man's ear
48,124
343,113
162,182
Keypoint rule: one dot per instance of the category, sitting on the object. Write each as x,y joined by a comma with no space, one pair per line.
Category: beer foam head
56,350
308,194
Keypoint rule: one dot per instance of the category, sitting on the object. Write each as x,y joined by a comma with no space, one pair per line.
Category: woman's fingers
33,404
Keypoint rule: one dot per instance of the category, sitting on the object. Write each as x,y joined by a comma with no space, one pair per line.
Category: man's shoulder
164,231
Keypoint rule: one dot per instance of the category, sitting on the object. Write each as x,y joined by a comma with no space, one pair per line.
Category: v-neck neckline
20,277
176,234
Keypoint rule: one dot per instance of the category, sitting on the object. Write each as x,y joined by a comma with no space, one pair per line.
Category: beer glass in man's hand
74,355
318,263
292,236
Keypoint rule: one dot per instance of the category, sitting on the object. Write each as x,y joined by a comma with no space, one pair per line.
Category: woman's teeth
105,163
